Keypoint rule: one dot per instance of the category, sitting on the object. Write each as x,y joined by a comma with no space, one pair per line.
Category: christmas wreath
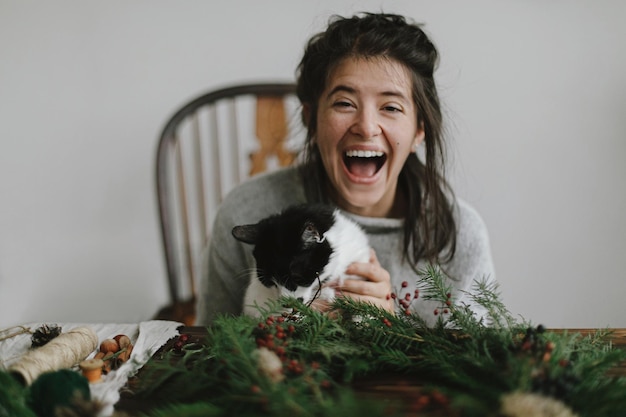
303,363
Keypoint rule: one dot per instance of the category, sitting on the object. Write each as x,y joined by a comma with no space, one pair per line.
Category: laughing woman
369,102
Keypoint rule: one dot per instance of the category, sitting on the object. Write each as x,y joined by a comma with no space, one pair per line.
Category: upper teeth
364,154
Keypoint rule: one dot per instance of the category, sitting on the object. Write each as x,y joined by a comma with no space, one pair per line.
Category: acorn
122,340
109,345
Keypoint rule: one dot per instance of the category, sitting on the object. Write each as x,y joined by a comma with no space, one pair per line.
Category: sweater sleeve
225,278
228,263
472,261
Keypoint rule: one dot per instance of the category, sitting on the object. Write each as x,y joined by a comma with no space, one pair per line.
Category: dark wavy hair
429,227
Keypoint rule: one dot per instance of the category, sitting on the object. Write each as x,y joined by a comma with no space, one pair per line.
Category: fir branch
487,296
432,284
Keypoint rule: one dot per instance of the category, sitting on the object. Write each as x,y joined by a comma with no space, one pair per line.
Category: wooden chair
208,146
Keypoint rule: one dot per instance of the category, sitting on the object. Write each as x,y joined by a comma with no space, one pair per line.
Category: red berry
405,284
436,312
439,398
420,403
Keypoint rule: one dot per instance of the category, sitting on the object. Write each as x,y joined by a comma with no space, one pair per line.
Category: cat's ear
311,236
247,233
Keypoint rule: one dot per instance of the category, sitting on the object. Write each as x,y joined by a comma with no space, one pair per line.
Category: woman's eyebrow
396,94
340,87
347,89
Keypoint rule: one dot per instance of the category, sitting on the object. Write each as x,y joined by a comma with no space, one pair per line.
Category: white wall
535,92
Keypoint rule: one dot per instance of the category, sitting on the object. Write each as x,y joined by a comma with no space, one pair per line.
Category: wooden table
385,386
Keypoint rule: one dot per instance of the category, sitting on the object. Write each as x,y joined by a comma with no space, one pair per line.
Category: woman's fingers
385,303
374,288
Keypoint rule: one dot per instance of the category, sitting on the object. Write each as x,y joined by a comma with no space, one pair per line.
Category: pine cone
44,334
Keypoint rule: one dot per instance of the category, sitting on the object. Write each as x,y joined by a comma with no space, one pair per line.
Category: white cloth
147,337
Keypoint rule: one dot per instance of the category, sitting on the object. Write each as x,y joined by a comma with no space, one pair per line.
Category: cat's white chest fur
349,244
257,296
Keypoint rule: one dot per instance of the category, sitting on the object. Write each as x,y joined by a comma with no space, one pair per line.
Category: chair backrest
207,147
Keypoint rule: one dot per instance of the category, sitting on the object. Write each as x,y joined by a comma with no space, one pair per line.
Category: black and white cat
299,250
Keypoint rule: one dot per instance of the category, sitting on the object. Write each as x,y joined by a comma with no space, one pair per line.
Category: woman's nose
366,124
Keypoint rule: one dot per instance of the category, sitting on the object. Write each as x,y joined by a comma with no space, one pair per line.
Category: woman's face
366,129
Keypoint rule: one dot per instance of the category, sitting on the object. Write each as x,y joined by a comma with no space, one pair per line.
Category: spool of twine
62,352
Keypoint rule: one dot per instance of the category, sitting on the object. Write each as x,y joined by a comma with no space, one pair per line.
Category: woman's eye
392,109
342,104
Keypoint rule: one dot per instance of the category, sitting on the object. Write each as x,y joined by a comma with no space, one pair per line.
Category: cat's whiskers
248,273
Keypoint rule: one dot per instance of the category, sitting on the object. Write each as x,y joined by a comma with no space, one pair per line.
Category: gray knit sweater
228,262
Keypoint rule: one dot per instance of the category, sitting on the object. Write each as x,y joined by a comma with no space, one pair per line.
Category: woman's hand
374,289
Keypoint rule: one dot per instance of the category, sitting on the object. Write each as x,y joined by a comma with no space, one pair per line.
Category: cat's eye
310,235
310,229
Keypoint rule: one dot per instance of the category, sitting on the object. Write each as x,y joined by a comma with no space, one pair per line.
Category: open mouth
362,163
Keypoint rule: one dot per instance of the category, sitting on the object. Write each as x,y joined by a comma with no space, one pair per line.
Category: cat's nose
301,299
